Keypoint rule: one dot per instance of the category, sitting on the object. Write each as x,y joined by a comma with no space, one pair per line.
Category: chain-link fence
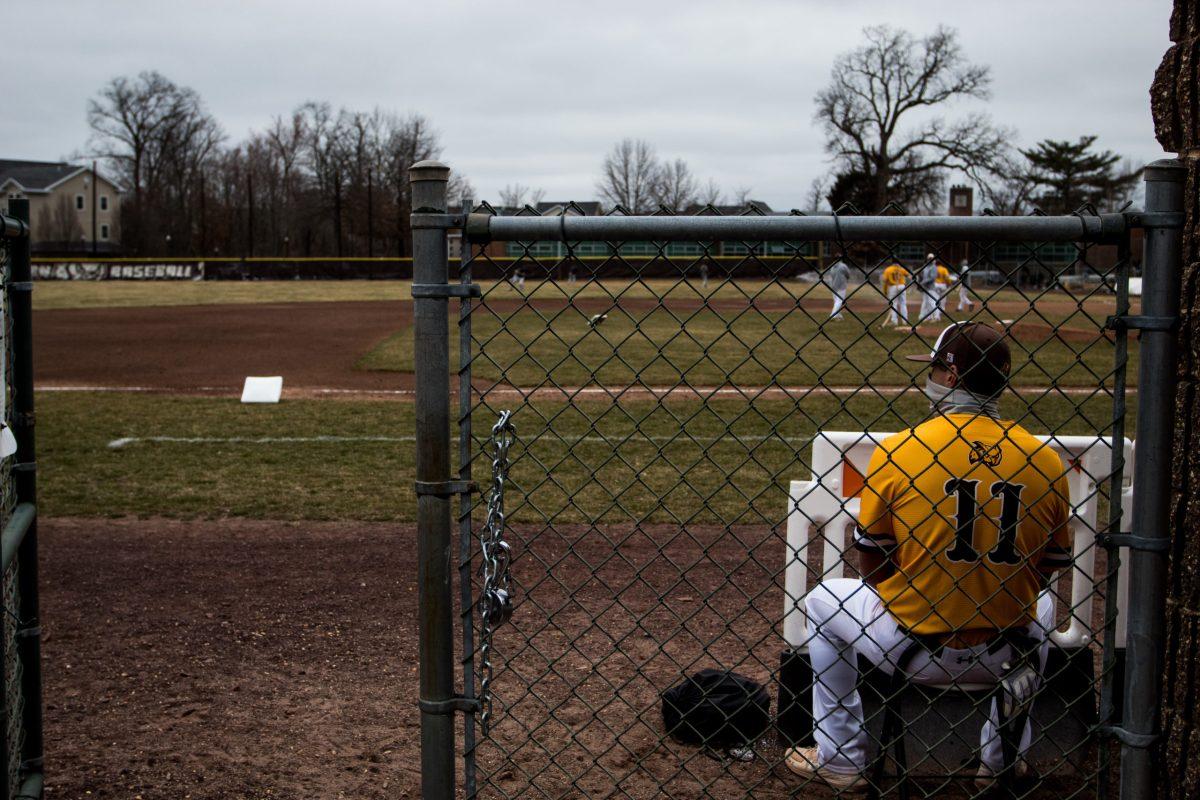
830,515
19,629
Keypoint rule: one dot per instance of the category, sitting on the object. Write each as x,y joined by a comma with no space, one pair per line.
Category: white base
262,390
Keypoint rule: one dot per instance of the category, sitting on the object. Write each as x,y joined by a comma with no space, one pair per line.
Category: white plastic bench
826,508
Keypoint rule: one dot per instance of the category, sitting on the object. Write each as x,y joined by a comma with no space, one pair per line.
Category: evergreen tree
1067,175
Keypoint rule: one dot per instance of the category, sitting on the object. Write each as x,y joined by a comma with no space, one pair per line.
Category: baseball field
229,590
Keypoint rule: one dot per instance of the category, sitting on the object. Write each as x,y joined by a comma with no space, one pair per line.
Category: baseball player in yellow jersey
895,282
944,282
963,520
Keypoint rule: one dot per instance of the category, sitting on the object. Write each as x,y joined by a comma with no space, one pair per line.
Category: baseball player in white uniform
927,284
837,278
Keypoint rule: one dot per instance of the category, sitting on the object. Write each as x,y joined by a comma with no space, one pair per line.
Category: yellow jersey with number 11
972,511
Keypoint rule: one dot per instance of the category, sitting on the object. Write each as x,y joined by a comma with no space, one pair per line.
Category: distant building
962,201
72,209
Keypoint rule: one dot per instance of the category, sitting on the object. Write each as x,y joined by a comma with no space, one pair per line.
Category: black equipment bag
716,709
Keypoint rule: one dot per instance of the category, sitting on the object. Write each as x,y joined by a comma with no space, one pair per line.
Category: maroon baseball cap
977,352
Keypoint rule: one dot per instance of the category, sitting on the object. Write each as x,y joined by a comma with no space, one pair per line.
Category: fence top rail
567,228
12,228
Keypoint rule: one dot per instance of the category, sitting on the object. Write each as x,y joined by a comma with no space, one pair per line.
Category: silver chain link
495,596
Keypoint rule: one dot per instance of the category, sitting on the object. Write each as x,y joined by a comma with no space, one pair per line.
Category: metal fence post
29,642
1152,466
434,552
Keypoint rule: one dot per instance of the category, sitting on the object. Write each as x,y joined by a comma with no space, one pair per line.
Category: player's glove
1017,688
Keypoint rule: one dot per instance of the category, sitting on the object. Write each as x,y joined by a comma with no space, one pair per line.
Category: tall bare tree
741,196
1009,191
320,181
675,187
711,194
518,195
158,138
880,120
628,176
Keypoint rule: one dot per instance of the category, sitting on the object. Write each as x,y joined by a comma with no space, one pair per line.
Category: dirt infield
215,347
315,346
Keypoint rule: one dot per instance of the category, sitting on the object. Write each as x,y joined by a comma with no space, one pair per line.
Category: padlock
495,607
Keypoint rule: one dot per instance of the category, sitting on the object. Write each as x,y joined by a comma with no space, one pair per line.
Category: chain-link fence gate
698,432
19,628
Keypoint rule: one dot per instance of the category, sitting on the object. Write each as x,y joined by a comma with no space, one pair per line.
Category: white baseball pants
846,617
929,308
839,302
897,305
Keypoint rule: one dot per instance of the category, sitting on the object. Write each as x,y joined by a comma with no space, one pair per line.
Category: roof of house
733,210
39,176
590,208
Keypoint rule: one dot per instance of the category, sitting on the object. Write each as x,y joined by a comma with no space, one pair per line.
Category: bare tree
815,200
629,174
60,222
878,117
1009,191
286,138
711,194
158,138
320,181
408,139
675,186
741,196
518,195
460,190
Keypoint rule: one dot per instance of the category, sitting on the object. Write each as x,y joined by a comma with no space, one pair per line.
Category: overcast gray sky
537,91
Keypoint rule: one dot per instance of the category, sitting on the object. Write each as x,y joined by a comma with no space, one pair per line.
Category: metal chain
495,596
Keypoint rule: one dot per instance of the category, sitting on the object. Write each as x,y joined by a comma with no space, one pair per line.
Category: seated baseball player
963,521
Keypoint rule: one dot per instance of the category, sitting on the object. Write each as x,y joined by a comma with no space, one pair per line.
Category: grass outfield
727,461
656,346
126,294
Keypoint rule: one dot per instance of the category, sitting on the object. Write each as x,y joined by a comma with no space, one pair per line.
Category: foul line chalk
117,444
630,438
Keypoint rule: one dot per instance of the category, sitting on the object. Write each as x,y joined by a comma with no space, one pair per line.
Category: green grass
126,294
656,346
49,295
683,461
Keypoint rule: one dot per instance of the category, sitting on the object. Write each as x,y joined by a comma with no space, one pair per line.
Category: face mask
950,400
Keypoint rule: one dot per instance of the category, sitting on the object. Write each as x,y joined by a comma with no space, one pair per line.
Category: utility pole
250,213
370,217
94,245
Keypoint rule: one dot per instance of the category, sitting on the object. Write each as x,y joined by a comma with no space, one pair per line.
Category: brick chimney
962,201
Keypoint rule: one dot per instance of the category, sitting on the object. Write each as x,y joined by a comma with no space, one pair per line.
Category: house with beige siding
71,208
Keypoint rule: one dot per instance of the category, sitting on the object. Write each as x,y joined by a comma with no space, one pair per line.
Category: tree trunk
1175,103
337,214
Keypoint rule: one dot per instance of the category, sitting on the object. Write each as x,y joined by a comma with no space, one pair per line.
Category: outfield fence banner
720,532
20,629
88,271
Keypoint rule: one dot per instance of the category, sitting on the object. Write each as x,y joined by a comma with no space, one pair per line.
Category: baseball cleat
803,762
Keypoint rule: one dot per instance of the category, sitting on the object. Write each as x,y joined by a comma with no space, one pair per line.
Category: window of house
960,201
104,202
104,233
79,202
